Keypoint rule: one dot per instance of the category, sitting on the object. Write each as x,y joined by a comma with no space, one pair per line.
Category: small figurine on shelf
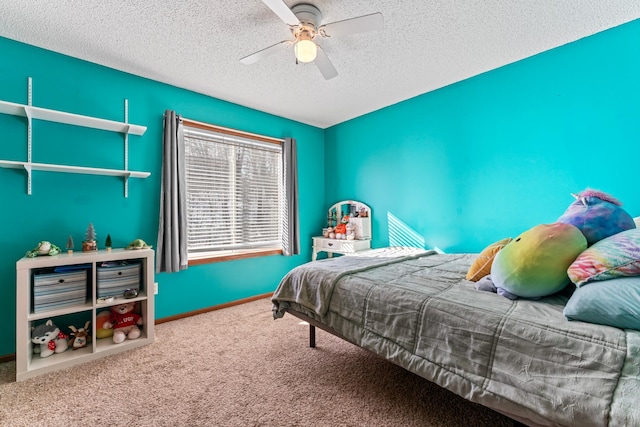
89,243
48,339
43,248
81,336
138,244
107,243
70,244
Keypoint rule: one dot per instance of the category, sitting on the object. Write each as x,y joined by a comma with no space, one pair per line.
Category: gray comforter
521,358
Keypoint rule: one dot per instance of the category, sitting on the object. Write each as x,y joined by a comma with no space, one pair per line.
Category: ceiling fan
304,22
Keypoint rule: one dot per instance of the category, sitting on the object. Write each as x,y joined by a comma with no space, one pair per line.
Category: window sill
211,257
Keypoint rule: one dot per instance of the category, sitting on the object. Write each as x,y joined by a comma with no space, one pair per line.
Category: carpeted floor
236,367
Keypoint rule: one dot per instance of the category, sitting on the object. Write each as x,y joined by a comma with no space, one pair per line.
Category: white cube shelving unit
29,364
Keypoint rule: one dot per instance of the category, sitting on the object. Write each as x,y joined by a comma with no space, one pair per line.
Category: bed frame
312,327
313,324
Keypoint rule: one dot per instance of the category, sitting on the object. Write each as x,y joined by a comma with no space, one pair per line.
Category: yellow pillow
482,265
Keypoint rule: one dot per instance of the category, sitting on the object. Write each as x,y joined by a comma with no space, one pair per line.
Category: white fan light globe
306,50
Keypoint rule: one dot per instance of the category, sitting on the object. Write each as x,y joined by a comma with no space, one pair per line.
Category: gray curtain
291,234
171,253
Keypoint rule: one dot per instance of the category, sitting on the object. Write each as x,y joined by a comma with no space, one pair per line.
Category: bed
522,358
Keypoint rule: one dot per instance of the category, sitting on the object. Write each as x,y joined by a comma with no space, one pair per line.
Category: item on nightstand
351,231
138,244
331,233
341,229
43,248
124,322
81,336
107,243
89,243
48,339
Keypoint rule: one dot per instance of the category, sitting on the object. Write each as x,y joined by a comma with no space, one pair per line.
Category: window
235,192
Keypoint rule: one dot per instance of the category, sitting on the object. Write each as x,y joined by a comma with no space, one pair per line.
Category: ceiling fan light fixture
305,50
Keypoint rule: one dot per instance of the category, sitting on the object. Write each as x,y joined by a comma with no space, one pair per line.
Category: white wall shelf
72,169
31,112
69,118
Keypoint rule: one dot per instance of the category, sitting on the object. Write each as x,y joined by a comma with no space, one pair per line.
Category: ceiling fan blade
361,24
283,11
257,56
325,66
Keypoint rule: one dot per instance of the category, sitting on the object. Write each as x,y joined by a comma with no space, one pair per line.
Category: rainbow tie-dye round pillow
535,263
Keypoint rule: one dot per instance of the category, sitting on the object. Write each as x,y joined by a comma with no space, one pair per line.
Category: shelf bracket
27,112
126,148
126,184
27,168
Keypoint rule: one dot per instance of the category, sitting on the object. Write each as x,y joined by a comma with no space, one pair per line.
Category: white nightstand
359,218
335,246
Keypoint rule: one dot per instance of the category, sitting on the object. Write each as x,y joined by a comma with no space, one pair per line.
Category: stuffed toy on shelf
124,322
103,317
81,336
43,248
48,339
138,244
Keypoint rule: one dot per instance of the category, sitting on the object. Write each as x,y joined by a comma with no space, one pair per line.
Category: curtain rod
229,131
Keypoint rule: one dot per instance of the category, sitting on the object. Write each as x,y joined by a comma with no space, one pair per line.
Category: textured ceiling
197,45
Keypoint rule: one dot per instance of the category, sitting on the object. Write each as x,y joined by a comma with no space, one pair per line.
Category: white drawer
331,244
340,246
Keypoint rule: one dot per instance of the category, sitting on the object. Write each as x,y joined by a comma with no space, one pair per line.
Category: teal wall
64,204
456,168
494,155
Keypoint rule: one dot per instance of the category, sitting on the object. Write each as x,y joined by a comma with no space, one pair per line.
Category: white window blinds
234,192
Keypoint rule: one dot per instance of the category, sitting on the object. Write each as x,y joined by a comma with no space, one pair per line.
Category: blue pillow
614,302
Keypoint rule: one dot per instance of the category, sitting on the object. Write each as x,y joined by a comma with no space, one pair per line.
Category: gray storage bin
113,280
52,291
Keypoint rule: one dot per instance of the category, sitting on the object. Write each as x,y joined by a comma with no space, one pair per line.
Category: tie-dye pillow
615,256
535,263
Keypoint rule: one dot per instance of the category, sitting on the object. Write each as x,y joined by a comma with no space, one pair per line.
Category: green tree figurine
89,243
70,244
107,243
